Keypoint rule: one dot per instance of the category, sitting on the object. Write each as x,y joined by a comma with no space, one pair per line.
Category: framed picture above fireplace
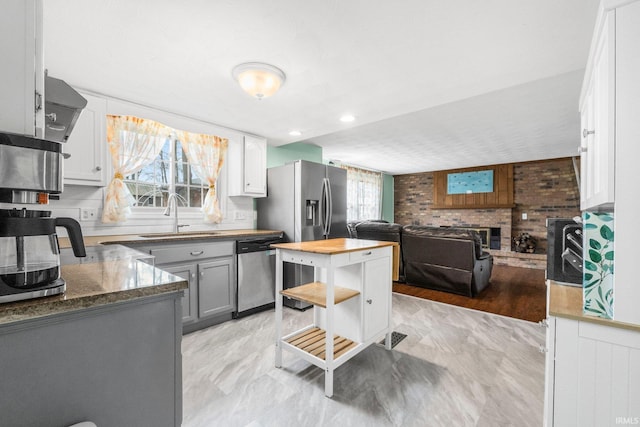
484,187
470,182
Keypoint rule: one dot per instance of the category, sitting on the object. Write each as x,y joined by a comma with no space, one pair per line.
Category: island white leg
328,355
278,308
328,382
387,341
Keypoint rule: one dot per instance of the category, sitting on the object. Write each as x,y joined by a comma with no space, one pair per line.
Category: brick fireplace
542,189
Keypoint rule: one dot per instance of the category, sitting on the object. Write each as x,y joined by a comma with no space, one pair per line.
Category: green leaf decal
606,218
587,215
595,244
609,297
604,310
588,286
594,256
590,266
587,276
609,256
590,226
606,233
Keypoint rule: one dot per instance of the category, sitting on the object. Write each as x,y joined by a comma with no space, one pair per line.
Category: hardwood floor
513,292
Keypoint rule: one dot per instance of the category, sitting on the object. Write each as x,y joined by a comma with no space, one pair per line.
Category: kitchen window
169,173
364,194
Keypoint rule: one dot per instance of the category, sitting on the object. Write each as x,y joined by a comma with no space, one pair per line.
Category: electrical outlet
524,216
88,214
239,215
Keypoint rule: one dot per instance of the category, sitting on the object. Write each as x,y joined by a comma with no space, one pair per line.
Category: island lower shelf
312,341
316,293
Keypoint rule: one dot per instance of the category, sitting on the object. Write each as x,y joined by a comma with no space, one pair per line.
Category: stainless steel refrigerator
308,201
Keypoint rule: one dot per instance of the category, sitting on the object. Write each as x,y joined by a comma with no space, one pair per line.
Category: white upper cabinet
87,145
22,70
248,167
598,119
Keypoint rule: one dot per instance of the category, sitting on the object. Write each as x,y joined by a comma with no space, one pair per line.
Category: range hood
62,107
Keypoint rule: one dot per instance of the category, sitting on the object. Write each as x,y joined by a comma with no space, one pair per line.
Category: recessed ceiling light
295,133
347,118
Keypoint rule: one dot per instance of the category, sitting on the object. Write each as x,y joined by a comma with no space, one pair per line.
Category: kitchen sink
184,234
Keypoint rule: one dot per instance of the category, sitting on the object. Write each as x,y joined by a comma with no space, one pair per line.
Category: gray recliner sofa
444,259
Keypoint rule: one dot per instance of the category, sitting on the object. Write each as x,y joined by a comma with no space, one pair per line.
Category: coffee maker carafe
30,255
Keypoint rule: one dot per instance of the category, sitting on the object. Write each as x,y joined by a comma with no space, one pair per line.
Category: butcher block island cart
351,297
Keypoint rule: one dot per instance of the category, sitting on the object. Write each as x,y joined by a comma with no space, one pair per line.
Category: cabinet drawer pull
196,253
586,133
367,253
369,301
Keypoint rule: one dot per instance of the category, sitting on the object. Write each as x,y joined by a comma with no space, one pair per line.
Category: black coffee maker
31,173
30,255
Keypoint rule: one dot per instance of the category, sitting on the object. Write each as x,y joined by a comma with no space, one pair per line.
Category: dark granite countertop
129,239
108,275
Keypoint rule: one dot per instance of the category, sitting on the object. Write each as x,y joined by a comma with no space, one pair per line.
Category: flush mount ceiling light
347,118
257,79
295,133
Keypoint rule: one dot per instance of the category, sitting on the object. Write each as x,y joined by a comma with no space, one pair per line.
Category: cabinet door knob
98,168
193,275
586,133
202,274
369,301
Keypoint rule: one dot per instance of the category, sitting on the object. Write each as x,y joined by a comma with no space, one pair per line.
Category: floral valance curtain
364,194
133,143
206,155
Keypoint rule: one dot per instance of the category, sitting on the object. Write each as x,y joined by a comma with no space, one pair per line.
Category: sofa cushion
378,231
448,232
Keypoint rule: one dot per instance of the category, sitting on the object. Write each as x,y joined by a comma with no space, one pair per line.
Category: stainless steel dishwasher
256,275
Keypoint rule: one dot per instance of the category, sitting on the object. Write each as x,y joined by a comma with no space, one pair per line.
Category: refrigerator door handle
325,208
329,207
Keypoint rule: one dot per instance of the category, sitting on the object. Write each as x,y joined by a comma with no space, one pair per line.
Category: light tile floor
457,367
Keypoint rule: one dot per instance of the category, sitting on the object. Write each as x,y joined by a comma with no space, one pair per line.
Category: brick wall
544,189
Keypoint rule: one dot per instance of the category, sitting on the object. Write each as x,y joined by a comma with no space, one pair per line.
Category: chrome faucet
172,202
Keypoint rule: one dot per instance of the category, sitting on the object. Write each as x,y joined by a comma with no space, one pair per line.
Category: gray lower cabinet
190,299
118,364
216,290
209,267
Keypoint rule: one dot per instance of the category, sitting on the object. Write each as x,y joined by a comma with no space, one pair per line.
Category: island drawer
364,255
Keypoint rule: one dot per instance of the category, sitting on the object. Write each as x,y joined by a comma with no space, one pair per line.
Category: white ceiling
433,84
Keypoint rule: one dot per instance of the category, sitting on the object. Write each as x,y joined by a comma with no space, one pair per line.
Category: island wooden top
333,246
120,274
566,301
